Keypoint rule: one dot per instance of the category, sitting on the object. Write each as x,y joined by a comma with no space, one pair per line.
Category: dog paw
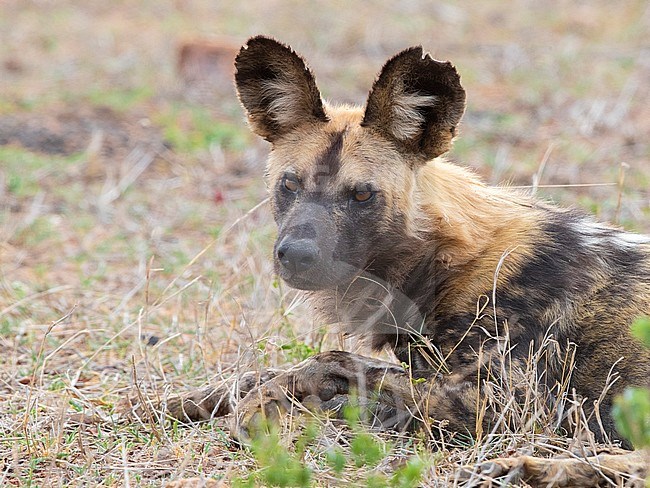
197,405
313,385
261,409
326,383
628,468
507,470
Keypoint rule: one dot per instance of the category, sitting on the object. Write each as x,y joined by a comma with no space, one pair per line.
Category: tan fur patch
478,228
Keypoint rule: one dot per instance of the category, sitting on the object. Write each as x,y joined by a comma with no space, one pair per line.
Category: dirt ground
129,259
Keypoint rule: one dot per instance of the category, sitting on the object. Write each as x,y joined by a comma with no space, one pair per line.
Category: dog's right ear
276,88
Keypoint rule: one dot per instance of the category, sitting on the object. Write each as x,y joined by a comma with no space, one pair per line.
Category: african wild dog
399,246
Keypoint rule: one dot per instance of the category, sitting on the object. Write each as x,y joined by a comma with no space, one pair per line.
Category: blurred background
125,161
563,83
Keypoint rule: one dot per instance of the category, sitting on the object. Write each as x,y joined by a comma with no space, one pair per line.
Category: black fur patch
564,269
328,162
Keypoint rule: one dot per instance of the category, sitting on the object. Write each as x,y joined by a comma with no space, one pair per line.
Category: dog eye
290,185
363,196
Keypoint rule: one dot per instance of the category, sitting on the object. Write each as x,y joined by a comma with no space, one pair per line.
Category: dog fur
397,246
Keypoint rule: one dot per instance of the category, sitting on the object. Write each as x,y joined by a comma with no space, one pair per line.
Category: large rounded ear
417,102
276,88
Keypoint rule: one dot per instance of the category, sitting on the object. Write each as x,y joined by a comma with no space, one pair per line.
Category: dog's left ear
416,102
276,88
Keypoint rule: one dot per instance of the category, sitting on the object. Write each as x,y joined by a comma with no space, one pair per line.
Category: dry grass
128,256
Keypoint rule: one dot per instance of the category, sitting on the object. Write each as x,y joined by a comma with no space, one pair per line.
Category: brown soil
67,131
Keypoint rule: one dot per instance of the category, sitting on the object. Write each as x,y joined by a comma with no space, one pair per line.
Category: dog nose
298,256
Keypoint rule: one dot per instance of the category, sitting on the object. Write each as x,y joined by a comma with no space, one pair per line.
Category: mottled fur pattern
433,265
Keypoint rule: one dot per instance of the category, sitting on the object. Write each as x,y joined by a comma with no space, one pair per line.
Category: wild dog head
342,178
